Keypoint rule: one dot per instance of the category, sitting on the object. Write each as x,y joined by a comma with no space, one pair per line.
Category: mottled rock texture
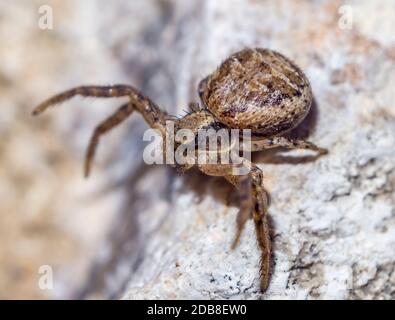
136,231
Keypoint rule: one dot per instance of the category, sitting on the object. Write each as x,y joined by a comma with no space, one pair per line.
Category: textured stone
332,219
136,231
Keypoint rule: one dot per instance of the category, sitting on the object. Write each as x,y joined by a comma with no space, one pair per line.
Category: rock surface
333,219
141,232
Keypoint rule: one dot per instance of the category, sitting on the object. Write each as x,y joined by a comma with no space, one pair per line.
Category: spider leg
258,145
259,214
262,233
115,119
246,205
152,114
253,198
243,184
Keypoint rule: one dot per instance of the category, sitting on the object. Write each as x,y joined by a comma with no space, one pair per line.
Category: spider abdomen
257,89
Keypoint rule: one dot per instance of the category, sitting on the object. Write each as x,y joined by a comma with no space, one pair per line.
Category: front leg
268,143
111,122
152,114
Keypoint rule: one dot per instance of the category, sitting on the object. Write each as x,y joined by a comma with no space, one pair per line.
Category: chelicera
256,89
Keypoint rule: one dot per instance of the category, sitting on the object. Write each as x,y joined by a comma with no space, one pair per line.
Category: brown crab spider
256,89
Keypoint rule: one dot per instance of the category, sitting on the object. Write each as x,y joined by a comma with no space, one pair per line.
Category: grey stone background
136,231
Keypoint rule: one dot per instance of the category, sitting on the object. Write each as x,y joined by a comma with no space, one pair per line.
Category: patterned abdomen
257,89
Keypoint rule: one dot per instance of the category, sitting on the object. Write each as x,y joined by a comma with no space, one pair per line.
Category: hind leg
253,203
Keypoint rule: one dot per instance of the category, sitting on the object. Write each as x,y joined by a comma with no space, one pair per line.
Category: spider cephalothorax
256,89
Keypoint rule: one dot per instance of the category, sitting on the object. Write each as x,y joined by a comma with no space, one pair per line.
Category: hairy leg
115,119
262,233
153,115
243,184
253,203
258,145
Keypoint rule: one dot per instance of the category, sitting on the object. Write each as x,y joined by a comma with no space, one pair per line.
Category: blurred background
90,231
50,214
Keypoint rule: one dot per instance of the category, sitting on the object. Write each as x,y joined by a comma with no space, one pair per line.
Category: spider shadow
308,124
123,237
226,194
198,181
122,242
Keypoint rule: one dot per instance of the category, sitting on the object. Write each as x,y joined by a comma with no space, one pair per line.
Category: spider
256,89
